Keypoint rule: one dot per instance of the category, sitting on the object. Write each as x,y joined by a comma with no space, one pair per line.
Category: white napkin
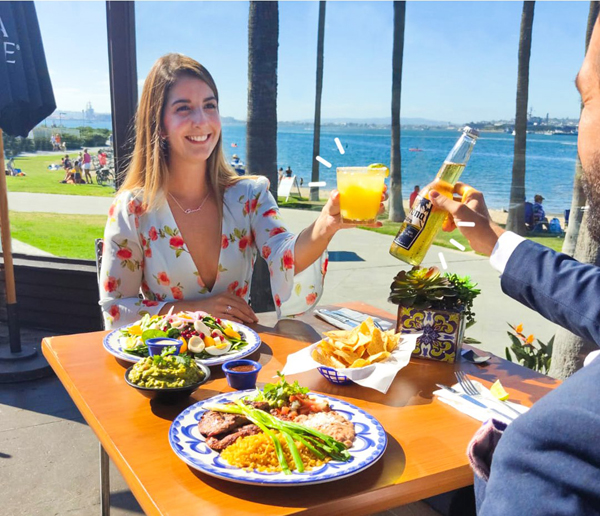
346,319
378,376
479,413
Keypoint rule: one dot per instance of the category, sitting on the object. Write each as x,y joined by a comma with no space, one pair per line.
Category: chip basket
333,376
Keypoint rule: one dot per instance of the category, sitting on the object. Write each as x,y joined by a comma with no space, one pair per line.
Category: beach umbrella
26,98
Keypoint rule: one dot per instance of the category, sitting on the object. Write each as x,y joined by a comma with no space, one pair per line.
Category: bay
550,159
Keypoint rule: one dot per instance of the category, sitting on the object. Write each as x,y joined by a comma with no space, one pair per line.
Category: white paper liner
378,376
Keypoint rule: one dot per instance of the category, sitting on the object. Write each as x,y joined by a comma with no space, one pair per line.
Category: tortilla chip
361,362
377,345
379,357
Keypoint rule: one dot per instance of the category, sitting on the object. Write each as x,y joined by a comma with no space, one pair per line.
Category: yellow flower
529,340
519,329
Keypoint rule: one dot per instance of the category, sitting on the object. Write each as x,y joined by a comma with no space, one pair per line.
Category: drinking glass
360,193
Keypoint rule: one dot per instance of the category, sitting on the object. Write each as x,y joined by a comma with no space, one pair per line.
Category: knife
473,400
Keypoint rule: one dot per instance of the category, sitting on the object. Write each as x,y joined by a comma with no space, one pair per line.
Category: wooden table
426,438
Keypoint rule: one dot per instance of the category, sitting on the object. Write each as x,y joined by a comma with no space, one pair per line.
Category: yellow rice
258,452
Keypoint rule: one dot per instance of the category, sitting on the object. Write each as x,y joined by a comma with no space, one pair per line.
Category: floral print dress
146,263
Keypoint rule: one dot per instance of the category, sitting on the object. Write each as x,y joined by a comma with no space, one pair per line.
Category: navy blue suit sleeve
560,288
548,460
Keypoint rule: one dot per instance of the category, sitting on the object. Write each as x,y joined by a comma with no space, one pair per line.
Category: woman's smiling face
191,122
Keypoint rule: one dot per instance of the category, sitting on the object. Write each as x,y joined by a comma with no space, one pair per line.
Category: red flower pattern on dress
266,252
287,261
144,241
124,253
148,252
224,242
253,205
277,300
111,283
243,242
135,208
145,287
153,234
246,208
311,298
324,266
276,231
176,241
149,302
114,312
232,286
163,278
111,210
270,213
177,292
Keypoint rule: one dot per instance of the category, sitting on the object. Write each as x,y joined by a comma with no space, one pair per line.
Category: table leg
104,483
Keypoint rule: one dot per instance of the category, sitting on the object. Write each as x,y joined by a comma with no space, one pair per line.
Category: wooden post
9,273
122,61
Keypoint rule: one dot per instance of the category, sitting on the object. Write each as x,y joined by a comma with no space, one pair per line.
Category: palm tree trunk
396,207
578,201
569,350
516,211
314,190
261,126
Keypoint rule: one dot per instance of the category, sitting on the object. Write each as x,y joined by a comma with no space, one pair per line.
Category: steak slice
259,405
219,443
214,423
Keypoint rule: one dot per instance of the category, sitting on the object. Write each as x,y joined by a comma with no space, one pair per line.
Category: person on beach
413,196
288,172
184,230
539,215
548,460
279,174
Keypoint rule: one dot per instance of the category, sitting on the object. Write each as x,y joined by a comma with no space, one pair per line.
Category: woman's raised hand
331,217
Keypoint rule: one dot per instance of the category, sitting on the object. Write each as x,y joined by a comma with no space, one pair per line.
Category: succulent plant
428,288
420,288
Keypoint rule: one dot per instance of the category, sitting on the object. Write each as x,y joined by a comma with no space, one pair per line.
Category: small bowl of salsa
241,374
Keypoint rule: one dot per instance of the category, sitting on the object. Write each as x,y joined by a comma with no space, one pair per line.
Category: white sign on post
285,187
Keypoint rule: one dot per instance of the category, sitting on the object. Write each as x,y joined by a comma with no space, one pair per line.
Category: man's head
588,142
416,188
538,198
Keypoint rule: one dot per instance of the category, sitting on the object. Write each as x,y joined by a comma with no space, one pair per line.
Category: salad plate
190,446
113,343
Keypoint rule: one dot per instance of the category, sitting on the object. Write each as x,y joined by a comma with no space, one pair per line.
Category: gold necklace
187,211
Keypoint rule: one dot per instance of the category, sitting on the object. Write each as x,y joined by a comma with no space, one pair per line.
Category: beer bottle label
414,222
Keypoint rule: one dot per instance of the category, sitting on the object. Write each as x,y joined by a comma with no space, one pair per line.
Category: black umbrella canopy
26,96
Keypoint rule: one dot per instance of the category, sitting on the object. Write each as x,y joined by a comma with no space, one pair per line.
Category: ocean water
550,165
549,170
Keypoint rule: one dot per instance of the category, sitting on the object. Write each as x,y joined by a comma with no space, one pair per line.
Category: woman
185,229
87,165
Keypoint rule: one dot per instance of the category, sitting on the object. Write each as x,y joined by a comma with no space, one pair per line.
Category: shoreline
498,215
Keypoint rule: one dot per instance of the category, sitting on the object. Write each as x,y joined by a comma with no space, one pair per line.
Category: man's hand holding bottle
469,208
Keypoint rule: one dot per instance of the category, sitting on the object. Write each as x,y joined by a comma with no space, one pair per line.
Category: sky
460,58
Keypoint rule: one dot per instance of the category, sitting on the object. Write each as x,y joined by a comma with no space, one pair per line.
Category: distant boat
238,165
415,149
234,144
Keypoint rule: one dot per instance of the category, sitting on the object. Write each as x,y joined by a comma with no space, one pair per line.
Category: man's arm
560,288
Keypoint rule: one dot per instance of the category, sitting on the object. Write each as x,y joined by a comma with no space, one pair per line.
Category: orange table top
426,438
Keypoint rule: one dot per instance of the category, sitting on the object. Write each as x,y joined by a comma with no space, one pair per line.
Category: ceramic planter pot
443,331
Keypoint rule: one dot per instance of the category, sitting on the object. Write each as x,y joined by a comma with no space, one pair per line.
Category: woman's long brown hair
148,169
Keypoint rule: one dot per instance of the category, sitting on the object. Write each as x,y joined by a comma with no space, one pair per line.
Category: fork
469,387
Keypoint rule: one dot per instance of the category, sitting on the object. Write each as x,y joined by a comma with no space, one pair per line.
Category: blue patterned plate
112,344
189,445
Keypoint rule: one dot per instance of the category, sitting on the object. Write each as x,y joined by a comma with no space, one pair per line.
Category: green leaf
152,334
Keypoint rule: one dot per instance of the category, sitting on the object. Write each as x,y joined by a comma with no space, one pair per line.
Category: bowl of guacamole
167,378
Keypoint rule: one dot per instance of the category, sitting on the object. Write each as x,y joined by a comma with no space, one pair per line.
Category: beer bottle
423,221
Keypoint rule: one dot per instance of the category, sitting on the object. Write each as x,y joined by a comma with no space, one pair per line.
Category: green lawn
41,180
70,236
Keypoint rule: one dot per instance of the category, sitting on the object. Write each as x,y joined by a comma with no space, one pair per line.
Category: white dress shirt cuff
503,250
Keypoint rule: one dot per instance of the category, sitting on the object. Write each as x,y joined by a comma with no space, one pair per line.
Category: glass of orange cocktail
360,193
